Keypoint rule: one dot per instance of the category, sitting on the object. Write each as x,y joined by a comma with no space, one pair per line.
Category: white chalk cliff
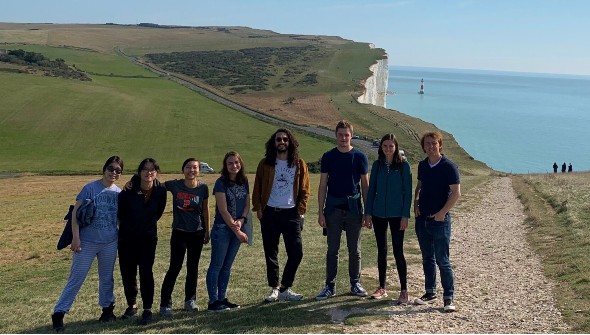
376,85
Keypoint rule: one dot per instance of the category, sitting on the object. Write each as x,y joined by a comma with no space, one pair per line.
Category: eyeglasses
281,139
114,169
152,170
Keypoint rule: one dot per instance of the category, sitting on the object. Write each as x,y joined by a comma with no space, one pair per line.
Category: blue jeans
434,238
224,248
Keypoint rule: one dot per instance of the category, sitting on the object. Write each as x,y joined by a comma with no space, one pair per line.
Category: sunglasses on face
282,139
114,169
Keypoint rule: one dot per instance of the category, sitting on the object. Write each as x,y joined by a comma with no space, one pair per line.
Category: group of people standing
345,186
563,167
126,220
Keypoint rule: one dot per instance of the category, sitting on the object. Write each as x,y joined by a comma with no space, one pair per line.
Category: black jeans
274,222
133,253
183,242
397,240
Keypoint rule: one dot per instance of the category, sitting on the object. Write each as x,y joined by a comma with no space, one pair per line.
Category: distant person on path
97,240
140,208
554,167
563,167
232,197
343,188
388,206
437,191
190,231
281,191
569,168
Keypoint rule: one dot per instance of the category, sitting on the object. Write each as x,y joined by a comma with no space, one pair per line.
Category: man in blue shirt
343,177
437,191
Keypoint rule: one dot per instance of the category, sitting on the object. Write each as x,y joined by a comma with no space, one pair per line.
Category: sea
513,122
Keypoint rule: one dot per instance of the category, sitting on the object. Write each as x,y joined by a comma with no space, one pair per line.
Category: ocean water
513,122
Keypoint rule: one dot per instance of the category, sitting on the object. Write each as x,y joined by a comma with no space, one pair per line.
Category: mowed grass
34,273
52,125
558,210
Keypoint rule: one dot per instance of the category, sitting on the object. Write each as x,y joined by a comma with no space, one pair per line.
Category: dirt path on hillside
499,284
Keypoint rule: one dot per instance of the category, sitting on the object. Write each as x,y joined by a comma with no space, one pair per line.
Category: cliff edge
375,87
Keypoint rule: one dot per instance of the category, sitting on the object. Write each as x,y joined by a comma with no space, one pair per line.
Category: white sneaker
289,295
273,295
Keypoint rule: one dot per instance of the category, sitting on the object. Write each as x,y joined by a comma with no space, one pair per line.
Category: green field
53,125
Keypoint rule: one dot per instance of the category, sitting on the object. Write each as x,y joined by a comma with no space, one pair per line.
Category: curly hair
292,149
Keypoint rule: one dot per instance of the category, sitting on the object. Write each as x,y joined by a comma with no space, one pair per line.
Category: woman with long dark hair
140,208
232,196
96,240
388,205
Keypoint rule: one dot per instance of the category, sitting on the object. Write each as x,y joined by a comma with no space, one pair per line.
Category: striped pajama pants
106,253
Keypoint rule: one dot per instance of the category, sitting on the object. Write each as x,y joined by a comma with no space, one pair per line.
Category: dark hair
188,160
111,160
344,125
436,136
270,157
397,158
241,177
148,160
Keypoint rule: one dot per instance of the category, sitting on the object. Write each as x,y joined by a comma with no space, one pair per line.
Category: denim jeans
434,238
335,222
224,248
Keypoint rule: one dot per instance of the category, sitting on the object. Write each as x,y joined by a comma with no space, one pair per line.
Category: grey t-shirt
188,205
103,228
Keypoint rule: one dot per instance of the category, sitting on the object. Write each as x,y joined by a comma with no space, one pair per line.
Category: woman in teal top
388,204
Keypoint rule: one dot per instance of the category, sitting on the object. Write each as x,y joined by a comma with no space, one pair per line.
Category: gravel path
499,284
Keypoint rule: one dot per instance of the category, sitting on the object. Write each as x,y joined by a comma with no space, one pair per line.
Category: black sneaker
129,313
57,319
107,314
229,304
427,298
449,305
146,317
217,306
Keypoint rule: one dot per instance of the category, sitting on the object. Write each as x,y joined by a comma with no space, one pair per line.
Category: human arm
206,220
75,246
451,201
304,188
365,191
233,224
256,192
371,195
322,192
417,198
406,194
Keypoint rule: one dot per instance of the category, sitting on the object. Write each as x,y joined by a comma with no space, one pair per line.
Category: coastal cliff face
376,85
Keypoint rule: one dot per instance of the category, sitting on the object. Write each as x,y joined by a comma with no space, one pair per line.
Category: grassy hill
53,125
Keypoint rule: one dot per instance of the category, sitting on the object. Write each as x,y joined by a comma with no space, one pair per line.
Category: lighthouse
421,86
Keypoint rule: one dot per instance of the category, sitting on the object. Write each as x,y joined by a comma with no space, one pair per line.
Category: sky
544,36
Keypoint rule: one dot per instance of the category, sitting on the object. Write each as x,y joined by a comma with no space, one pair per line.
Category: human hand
207,237
322,220
76,244
259,214
368,221
403,224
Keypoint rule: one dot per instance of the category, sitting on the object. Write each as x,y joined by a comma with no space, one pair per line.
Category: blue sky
547,36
